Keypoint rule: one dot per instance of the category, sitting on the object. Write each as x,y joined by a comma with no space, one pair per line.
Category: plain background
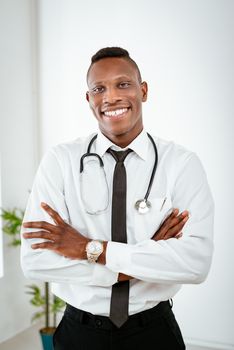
185,50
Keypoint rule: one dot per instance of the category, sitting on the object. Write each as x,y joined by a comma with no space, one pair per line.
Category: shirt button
98,322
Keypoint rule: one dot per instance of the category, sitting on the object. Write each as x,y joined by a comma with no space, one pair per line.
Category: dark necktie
120,290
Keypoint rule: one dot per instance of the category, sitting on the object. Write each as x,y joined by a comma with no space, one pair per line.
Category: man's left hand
61,238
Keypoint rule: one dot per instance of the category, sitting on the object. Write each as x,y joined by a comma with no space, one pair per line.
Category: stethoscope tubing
88,154
154,168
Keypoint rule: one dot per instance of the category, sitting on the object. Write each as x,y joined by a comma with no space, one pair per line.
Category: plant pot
47,337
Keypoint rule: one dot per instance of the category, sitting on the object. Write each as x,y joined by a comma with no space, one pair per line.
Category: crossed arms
65,240
165,258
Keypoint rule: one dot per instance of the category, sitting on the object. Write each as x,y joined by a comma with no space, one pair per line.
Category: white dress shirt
159,267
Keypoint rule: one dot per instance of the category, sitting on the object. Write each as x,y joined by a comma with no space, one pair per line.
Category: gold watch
93,250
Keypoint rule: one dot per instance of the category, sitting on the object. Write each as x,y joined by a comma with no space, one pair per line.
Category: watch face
94,247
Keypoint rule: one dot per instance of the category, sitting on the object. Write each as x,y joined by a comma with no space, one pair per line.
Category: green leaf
12,221
38,299
57,305
37,316
16,242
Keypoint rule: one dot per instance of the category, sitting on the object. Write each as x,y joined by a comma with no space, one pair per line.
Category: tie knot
119,155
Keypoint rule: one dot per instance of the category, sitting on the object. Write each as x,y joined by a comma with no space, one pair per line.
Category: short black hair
114,51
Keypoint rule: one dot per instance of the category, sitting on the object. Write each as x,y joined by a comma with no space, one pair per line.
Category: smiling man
115,95
105,217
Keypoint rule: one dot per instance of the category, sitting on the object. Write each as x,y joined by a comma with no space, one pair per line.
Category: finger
53,214
180,217
185,213
44,245
172,220
175,220
173,214
40,234
179,235
166,223
39,224
175,230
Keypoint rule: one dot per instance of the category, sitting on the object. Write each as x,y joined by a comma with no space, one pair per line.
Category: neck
122,140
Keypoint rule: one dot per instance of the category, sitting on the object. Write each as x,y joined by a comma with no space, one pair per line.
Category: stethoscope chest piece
143,206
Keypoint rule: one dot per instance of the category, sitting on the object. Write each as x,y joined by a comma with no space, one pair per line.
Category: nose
111,96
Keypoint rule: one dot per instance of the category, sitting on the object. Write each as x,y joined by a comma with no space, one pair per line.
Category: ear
87,96
144,90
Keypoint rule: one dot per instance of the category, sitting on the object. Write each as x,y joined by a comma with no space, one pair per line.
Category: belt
103,322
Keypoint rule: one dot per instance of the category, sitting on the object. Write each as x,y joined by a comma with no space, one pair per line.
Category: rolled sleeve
118,256
103,276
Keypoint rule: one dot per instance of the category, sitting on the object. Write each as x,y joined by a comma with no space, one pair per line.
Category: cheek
136,98
92,105
94,108
138,103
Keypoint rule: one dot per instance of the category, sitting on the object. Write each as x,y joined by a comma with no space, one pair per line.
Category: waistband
103,322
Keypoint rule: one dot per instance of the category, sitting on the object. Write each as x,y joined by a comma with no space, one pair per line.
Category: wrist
102,258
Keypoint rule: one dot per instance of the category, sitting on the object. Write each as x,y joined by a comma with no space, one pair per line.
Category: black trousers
151,329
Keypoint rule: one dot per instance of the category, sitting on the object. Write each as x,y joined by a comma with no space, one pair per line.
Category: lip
113,108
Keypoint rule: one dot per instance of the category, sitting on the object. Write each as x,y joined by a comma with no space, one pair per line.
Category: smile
116,113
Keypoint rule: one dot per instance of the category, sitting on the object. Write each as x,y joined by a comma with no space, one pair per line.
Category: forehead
111,68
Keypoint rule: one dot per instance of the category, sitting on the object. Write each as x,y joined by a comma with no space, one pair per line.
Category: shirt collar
139,145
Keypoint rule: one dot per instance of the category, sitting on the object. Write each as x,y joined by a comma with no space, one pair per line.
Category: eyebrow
121,77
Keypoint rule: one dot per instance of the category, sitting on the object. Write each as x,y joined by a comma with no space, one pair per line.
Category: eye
97,89
124,84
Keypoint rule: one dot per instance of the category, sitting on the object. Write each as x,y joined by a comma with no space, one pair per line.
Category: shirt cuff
103,276
118,256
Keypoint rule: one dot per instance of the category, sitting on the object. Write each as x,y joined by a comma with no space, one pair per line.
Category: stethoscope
141,205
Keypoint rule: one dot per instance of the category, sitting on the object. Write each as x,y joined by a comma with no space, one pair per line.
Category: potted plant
49,305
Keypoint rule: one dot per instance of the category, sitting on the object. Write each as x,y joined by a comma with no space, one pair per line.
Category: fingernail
43,204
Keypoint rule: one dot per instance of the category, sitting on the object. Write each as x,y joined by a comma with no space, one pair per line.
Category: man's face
115,96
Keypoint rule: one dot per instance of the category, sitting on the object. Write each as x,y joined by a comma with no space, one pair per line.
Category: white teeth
116,112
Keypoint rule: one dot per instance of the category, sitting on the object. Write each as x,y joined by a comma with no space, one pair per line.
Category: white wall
185,51
18,149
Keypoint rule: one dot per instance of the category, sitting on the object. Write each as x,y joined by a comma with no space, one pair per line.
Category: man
114,255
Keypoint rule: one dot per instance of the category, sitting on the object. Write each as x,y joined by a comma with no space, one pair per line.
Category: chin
123,129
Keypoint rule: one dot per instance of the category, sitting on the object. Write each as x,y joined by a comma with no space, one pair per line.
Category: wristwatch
93,250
